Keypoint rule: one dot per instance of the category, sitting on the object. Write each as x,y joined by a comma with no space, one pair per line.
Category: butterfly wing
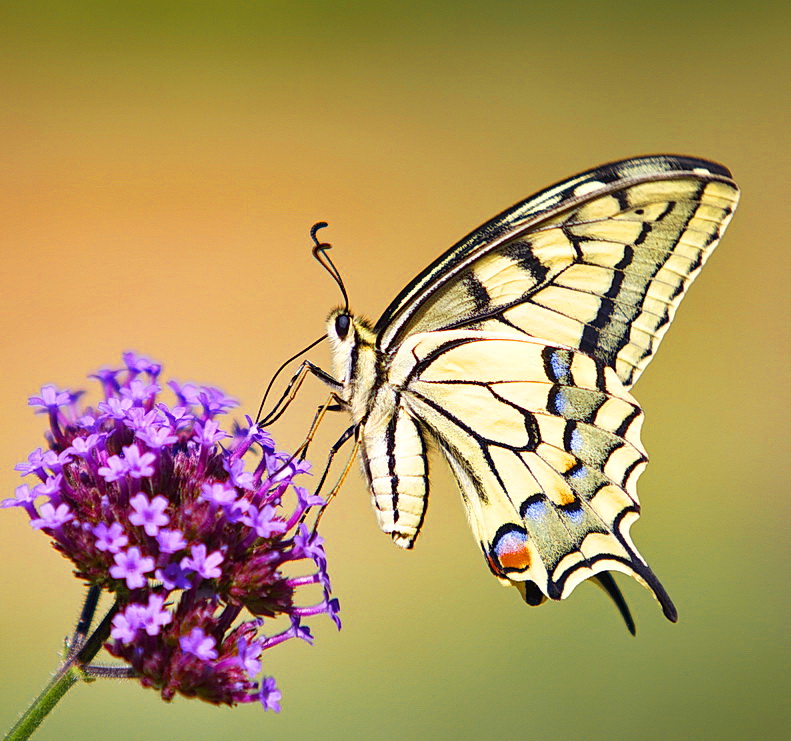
599,262
544,443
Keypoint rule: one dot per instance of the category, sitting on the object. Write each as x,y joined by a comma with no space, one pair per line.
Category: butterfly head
339,325
352,343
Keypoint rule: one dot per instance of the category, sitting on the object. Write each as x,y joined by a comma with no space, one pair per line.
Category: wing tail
607,583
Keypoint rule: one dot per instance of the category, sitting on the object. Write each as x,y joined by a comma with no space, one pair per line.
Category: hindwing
598,263
544,443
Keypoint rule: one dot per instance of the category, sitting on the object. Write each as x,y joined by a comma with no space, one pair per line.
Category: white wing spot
589,187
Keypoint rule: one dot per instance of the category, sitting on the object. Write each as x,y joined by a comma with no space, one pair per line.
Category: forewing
544,443
598,263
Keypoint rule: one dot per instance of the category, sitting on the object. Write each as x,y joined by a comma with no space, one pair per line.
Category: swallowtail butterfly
515,352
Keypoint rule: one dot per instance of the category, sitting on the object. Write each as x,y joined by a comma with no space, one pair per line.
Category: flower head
185,523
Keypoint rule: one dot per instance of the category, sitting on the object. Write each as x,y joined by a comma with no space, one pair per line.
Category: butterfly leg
333,404
339,443
293,386
301,452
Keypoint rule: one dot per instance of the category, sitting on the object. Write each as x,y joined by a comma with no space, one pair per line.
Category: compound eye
342,323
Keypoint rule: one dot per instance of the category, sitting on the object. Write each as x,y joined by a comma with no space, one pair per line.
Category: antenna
320,253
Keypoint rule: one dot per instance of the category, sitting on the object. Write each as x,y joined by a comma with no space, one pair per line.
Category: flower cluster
156,504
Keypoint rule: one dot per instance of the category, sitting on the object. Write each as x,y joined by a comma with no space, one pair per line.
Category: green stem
66,677
63,681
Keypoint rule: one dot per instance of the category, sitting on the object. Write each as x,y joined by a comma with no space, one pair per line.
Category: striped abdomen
393,448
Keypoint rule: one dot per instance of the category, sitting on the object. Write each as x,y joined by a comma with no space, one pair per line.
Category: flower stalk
75,668
66,677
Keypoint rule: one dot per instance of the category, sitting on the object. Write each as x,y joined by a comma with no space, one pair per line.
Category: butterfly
514,354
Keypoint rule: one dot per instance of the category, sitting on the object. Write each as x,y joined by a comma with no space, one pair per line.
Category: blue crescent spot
536,510
513,541
579,473
561,402
575,515
576,440
511,550
559,367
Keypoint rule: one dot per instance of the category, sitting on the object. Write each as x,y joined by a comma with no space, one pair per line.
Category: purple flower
306,499
139,419
333,608
309,544
255,434
262,437
107,377
50,398
157,437
35,462
270,695
173,577
115,470
186,393
237,512
52,517
82,446
283,467
127,623
141,364
215,401
264,523
185,524
140,392
22,496
115,408
132,566
178,417
239,477
208,434
218,493
301,631
170,541
248,655
51,487
139,464
149,514
199,644
205,566
111,539
154,615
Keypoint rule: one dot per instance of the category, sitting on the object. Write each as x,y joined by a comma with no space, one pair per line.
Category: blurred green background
161,165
